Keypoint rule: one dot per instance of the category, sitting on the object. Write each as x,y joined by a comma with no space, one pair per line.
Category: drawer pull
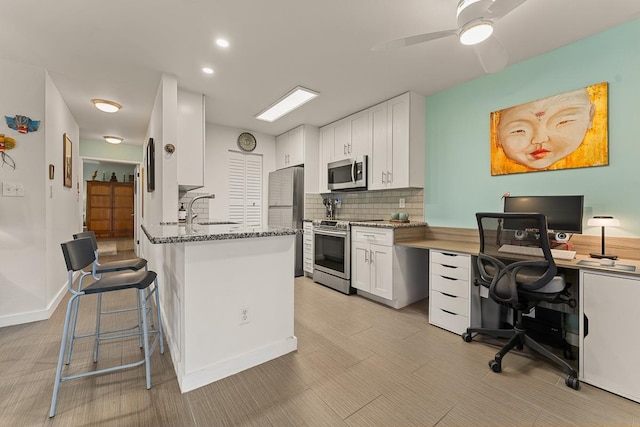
448,278
448,295
447,311
449,266
446,254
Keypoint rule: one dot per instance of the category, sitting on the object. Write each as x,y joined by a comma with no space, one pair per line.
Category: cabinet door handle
366,256
370,257
586,325
384,177
389,177
344,149
349,146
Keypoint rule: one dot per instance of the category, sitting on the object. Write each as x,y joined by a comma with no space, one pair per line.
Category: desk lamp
603,221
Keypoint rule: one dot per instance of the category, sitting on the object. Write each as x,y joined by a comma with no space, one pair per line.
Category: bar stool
78,254
98,269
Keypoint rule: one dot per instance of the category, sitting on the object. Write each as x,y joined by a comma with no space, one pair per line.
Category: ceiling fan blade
492,55
500,8
408,41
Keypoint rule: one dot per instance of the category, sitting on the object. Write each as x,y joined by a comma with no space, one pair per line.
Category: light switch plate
8,189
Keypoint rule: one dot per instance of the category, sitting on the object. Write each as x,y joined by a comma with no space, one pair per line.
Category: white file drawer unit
450,291
307,247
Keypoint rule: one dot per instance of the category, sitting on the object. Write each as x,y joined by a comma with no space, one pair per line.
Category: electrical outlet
245,315
402,204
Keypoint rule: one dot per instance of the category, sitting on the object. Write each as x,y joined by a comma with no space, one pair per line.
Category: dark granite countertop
378,224
198,232
388,224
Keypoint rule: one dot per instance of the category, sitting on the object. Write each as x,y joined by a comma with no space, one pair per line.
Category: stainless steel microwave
347,174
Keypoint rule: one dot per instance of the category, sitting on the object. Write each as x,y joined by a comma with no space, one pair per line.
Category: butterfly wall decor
22,124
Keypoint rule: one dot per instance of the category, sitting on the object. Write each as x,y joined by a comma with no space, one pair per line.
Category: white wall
219,140
32,272
63,205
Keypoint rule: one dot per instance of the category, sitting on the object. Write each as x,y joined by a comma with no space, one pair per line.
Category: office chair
79,254
521,282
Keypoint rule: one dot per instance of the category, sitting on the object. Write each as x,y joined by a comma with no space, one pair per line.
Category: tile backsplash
368,204
200,206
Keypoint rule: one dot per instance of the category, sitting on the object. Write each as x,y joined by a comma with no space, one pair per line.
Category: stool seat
117,282
121,265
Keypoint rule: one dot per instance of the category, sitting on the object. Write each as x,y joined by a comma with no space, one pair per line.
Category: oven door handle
330,233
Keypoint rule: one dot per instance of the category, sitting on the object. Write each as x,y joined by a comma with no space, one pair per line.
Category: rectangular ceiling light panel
287,103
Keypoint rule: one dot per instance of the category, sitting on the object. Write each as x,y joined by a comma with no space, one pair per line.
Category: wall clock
246,141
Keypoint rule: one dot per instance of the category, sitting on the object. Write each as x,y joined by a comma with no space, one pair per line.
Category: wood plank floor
358,363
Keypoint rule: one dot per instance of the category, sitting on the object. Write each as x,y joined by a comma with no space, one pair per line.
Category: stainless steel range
332,253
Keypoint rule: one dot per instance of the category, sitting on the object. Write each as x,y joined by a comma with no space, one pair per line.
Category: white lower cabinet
609,349
385,272
450,291
372,261
307,247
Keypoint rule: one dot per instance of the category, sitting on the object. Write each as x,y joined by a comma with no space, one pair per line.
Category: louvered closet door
245,188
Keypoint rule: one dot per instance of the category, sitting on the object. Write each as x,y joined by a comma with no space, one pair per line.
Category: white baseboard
37,315
192,380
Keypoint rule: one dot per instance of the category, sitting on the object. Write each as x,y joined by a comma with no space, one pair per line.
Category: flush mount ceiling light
476,32
222,43
292,100
106,106
207,70
113,139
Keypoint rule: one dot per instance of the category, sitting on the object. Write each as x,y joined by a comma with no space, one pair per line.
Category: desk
609,312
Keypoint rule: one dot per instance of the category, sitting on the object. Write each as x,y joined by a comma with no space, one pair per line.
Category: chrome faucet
190,206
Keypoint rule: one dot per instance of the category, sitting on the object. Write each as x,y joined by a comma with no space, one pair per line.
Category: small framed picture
67,161
151,166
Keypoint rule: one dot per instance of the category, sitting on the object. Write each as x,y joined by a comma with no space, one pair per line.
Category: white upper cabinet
190,144
299,146
327,137
290,148
351,137
397,143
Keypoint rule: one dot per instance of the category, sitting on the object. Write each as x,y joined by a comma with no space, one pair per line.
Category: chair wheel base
495,366
466,336
572,382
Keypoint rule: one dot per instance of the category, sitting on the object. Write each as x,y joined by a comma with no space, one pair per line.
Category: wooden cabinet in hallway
110,208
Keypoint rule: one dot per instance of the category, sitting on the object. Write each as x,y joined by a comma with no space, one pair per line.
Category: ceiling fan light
106,105
113,139
476,32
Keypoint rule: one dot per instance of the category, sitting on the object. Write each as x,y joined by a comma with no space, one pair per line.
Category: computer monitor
564,213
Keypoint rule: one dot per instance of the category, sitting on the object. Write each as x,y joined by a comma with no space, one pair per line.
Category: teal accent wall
104,150
458,176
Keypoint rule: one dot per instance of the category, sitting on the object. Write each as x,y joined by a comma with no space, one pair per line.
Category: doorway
110,205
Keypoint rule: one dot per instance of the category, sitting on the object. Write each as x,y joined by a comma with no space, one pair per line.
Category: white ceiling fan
475,20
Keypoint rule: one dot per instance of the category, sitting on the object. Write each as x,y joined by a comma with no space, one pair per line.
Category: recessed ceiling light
286,104
113,139
106,106
207,70
222,42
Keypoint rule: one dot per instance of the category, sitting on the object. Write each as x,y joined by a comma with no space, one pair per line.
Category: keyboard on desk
535,251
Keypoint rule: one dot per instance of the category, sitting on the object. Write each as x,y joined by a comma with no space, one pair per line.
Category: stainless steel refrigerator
286,205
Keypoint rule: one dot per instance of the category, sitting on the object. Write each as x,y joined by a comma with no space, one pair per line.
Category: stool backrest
88,235
78,253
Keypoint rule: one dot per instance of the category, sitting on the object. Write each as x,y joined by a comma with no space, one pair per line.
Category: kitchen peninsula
228,298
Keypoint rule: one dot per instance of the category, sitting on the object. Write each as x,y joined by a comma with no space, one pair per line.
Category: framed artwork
564,131
151,166
67,161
